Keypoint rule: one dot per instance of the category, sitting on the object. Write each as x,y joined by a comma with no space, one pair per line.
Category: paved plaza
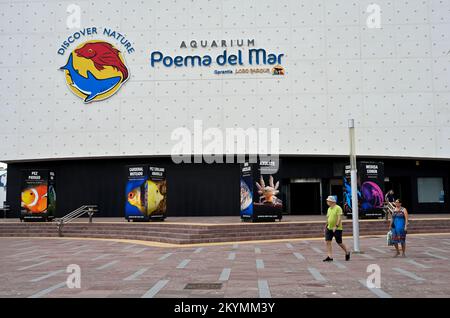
37,268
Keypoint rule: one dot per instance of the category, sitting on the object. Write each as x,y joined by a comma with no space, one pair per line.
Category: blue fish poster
146,193
135,193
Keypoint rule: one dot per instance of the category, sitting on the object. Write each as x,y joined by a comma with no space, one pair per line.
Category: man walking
334,228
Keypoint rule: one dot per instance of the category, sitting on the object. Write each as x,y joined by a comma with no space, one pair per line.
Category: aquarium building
88,90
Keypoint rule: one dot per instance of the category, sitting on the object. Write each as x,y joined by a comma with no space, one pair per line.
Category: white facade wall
394,80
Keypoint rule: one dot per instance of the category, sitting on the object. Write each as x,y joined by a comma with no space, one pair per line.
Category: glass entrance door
305,197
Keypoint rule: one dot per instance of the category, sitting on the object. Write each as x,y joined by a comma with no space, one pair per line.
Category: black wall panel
195,189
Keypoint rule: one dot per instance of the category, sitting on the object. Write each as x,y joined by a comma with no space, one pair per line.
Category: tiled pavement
37,268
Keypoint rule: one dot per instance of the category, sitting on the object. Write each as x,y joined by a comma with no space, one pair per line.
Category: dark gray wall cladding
198,189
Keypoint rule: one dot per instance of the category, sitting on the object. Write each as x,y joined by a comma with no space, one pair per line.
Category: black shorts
329,234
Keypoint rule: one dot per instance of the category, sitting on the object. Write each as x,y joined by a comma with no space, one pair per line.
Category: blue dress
398,227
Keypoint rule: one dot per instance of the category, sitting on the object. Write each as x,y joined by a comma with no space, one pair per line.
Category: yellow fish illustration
154,197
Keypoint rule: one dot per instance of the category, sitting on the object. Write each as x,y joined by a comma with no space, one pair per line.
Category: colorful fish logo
95,70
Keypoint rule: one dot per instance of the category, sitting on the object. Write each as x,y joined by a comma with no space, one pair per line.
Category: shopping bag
389,238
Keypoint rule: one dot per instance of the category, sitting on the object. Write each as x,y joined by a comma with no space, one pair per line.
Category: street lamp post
354,186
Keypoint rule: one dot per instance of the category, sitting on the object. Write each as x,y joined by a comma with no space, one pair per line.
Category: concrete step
204,233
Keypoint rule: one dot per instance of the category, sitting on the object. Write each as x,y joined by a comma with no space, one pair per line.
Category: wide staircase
181,233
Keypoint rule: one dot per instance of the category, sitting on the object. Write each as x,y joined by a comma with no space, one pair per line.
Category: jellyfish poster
38,195
260,191
146,193
370,189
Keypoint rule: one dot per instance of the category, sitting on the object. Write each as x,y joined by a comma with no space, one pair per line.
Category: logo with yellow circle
95,70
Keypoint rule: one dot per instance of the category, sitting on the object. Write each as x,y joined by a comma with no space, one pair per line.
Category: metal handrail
389,208
72,214
75,214
6,208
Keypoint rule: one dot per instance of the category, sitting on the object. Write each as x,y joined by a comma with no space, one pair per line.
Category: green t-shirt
332,217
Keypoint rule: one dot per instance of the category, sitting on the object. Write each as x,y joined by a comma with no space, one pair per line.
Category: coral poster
260,191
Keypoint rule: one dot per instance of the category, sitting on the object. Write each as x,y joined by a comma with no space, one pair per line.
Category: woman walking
399,227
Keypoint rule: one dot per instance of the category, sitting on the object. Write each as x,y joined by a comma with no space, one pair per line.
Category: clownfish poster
38,195
145,193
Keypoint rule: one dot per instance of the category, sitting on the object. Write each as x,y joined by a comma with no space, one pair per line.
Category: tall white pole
354,185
